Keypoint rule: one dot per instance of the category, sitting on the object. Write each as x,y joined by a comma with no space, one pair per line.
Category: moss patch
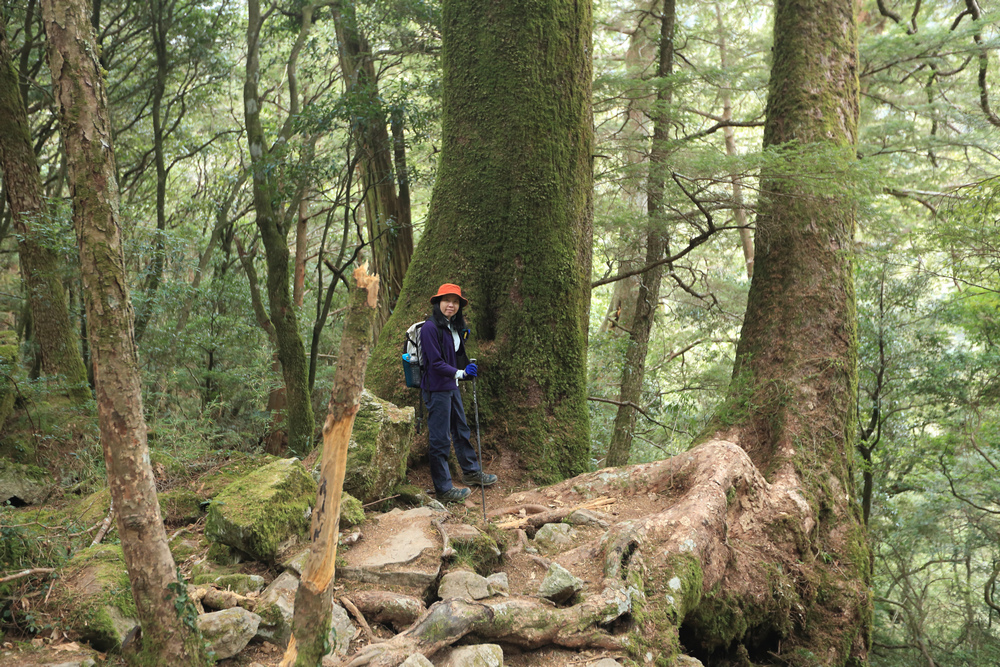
180,506
94,597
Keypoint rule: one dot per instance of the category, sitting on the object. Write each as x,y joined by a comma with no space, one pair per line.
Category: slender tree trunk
388,225
739,212
511,222
274,233
311,622
40,267
301,249
86,133
159,22
648,297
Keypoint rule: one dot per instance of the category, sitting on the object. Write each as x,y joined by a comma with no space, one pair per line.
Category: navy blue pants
446,425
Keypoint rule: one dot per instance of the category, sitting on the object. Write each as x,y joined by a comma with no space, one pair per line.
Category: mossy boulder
90,509
8,364
24,484
380,446
264,509
222,475
179,507
351,511
94,597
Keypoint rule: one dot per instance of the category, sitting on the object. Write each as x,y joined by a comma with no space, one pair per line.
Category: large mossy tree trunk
274,229
511,222
792,402
85,128
41,268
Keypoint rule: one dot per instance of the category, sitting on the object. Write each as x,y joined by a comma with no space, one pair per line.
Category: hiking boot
453,495
479,478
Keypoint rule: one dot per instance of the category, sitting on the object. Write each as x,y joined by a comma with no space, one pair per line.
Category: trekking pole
479,441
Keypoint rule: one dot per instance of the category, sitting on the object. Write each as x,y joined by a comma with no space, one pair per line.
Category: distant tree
387,209
168,638
41,268
647,297
274,222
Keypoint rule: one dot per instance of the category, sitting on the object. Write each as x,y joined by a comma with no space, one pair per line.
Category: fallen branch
106,526
215,598
447,551
516,509
554,516
27,573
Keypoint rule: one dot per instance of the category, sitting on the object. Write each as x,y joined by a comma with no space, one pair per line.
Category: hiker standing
442,339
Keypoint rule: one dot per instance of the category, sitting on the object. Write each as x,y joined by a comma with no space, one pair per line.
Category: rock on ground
379,448
559,584
96,597
228,631
24,484
463,584
399,550
479,655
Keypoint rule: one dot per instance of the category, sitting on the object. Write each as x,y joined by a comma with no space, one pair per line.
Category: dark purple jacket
440,357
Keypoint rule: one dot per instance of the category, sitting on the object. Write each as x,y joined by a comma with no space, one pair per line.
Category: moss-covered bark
40,266
792,400
168,638
511,222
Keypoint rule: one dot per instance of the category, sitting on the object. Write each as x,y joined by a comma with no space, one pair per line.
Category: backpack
413,356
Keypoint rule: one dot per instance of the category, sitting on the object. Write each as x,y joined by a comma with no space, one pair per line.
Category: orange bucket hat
449,288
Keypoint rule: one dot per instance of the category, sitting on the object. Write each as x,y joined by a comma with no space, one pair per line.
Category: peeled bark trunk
40,267
311,622
86,133
389,230
511,222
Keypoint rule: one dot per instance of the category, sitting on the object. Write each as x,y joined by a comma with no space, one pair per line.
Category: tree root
394,609
526,622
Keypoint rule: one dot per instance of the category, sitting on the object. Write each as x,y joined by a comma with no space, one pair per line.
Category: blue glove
471,371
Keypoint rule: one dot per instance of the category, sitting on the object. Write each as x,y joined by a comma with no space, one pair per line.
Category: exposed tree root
395,609
525,622
724,533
